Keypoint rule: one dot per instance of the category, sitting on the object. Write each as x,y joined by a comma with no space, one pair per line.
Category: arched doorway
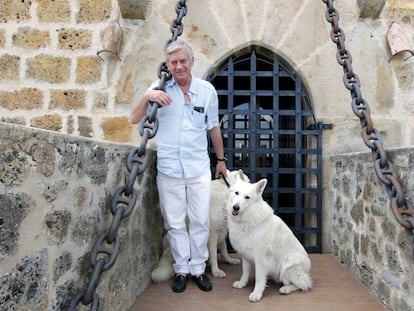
270,131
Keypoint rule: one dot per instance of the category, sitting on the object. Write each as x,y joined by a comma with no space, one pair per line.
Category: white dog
218,231
263,239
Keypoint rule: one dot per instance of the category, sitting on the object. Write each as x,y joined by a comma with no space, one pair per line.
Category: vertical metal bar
252,117
230,116
275,134
319,193
298,155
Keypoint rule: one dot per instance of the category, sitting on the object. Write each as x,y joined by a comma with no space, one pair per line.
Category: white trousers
181,197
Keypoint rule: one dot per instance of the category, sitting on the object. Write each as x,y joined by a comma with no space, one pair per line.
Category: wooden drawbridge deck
334,289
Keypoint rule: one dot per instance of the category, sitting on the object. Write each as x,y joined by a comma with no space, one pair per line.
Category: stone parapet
364,233
56,195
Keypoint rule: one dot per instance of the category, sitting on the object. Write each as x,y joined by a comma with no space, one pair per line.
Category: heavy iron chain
125,197
386,172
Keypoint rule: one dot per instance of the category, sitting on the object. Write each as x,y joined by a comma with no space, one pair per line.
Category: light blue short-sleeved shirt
182,139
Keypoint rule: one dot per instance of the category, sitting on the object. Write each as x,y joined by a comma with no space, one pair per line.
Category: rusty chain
125,197
386,172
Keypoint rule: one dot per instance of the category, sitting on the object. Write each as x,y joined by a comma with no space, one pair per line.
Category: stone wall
51,77
55,196
366,237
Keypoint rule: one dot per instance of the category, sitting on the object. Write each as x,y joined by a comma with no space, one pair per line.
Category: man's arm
217,140
139,109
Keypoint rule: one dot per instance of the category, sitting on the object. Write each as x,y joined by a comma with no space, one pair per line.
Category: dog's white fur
218,232
263,239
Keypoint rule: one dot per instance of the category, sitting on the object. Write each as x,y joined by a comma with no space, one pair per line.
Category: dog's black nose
236,207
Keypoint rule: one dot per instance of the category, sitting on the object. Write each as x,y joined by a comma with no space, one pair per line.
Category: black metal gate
269,131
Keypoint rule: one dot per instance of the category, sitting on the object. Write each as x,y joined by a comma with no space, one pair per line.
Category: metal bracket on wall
398,41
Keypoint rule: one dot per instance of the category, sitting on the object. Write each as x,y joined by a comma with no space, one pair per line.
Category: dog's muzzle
236,209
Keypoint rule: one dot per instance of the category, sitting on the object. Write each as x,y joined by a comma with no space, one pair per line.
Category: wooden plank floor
334,289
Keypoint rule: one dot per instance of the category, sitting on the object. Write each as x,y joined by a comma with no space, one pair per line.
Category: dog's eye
236,192
247,197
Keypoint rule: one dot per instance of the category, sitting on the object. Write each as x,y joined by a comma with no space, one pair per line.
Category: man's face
180,66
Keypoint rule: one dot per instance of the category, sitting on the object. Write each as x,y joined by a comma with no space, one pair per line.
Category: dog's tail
303,281
164,269
298,276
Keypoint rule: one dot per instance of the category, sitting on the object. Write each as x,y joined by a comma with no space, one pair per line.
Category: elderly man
188,113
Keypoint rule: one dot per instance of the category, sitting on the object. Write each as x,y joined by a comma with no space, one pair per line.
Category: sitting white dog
263,239
218,231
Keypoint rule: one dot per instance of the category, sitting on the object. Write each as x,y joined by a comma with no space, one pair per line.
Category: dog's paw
239,284
233,261
287,289
218,273
255,297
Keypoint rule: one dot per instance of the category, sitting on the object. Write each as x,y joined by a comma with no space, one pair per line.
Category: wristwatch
222,159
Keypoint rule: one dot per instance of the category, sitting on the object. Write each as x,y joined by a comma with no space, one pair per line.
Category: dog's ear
243,176
261,185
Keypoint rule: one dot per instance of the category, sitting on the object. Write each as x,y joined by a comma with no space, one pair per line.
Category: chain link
402,209
125,198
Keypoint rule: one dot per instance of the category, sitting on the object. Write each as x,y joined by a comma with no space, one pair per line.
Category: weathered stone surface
117,129
370,8
91,11
11,10
9,67
88,70
67,99
43,154
74,39
25,99
30,38
85,126
62,264
48,68
379,251
68,202
24,287
14,207
131,9
48,122
54,11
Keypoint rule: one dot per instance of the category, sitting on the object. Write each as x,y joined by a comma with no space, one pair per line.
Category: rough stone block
85,126
100,100
67,99
57,225
12,10
88,70
25,287
43,155
48,68
54,11
131,9
74,39
62,264
14,120
92,11
48,122
14,207
30,38
9,67
25,99
370,8
117,129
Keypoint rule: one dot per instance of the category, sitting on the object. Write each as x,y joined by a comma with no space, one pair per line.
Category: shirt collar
192,88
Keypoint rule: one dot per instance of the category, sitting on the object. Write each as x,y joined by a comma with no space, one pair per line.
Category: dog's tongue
235,213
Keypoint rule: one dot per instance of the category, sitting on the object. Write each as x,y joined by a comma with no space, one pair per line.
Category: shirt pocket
199,117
